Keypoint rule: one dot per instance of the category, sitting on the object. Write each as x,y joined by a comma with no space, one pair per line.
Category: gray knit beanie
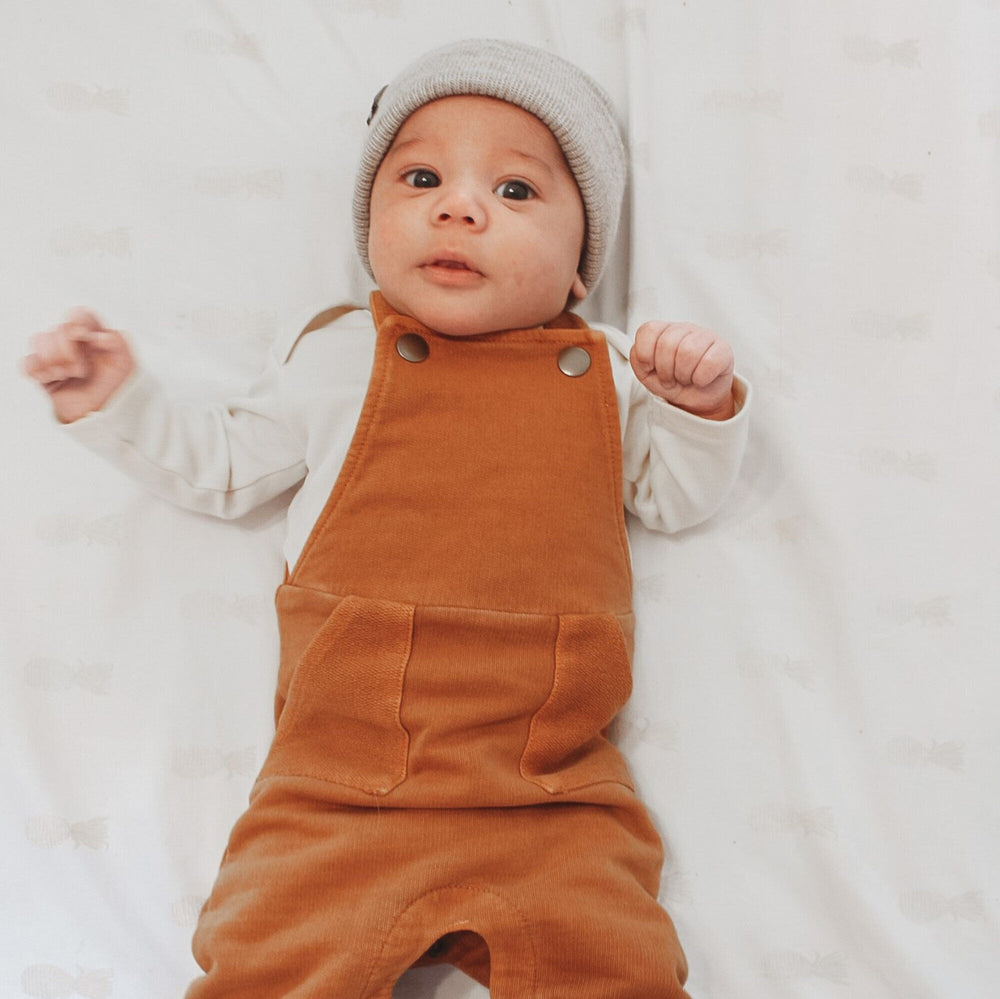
576,110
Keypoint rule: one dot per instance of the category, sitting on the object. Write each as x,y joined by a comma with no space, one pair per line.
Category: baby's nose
460,206
447,216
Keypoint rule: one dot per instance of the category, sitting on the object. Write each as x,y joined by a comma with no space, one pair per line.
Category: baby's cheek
535,272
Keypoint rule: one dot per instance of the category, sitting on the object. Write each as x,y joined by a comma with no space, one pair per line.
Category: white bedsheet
814,725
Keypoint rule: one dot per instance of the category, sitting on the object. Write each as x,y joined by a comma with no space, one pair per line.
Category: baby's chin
461,321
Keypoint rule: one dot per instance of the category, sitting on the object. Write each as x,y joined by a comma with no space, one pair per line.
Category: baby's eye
422,178
514,190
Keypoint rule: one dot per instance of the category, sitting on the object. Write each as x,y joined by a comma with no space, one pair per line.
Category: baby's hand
79,363
688,366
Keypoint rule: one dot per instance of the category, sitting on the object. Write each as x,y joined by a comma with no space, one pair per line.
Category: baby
456,620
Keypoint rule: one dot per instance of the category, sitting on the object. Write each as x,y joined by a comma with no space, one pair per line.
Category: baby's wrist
721,411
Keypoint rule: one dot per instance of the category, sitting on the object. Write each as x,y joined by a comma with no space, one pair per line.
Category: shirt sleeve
222,459
677,468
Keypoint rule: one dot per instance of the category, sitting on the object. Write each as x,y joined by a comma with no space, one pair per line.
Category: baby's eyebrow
534,160
415,140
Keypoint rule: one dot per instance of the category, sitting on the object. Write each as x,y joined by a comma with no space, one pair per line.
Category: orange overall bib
455,639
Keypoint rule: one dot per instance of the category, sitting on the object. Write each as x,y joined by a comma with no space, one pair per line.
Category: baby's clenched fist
688,366
79,363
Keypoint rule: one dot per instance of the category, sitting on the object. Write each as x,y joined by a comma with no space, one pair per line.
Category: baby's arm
678,466
222,459
688,366
80,364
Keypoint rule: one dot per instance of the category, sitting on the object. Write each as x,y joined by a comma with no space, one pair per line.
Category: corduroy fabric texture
455,641
575,108
323,902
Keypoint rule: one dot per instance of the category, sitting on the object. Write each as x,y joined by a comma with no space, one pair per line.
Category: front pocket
341,721
592,679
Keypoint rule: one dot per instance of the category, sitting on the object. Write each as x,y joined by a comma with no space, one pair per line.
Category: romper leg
298,909
589,890
315,900
562,895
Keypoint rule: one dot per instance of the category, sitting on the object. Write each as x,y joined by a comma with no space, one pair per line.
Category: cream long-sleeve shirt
296,422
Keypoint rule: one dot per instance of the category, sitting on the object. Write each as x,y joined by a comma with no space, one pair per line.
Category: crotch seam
504,904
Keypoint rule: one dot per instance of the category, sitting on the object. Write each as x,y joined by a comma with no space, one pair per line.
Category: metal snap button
574,361
412,347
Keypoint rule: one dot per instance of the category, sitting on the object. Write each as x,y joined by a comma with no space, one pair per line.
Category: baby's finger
644,346
34,367
55,357
717,362
57,346
81,316
48,374
692,343
100,339
677,353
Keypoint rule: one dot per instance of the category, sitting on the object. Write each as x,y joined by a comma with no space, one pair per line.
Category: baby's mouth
450,262
450,270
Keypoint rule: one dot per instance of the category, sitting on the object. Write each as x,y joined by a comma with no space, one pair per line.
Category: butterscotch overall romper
455,640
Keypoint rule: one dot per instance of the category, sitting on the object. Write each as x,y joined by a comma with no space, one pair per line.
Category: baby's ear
579,289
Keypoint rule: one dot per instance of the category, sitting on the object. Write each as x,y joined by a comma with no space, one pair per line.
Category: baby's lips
452,261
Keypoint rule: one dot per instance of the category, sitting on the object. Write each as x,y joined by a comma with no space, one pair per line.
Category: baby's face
477,224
